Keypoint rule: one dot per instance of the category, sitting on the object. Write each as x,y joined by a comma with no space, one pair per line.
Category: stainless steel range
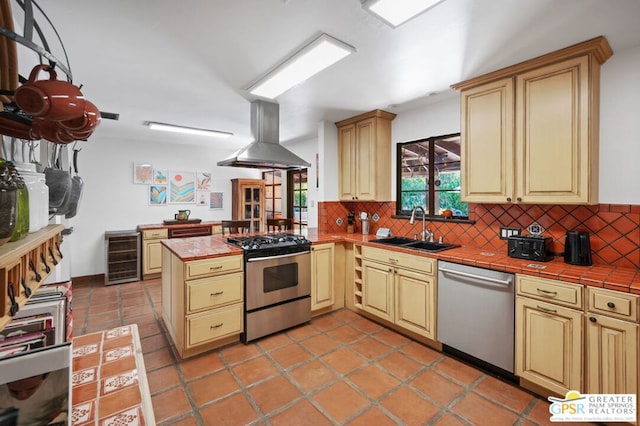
277,277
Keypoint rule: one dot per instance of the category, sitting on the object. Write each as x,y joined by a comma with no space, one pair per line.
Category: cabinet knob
611,305
519,199
509,199
593,319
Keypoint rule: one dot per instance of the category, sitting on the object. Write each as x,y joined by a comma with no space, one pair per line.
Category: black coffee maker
577,248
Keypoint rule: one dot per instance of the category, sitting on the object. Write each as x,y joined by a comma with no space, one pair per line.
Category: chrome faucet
425,232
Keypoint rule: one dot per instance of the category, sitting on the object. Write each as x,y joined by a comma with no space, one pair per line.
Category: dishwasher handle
506,283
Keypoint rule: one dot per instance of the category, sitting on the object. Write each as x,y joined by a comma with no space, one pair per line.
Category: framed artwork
142,173
216,200
182,188
157,195
204,180
160,177
35,387
202,198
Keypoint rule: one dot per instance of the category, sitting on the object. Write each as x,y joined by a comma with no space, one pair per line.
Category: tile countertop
175,225
614,278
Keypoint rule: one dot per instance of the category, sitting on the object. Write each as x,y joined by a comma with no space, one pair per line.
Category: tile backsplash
614,228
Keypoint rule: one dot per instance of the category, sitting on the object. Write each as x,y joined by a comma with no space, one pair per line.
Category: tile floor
339,369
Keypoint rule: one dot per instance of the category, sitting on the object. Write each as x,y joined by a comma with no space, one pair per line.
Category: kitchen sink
410,243
394,241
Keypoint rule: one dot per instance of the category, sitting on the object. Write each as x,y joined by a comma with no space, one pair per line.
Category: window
297,196
273,193
428,175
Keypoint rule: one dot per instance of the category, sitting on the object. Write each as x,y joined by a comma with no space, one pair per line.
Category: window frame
297,221
431,189
273,198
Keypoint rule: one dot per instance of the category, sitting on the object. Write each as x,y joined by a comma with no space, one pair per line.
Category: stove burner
267,241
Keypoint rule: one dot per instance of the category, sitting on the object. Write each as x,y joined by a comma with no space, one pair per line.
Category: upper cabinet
530,131
364,149
248,202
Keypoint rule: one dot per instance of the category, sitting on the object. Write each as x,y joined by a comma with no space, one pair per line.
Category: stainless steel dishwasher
476,315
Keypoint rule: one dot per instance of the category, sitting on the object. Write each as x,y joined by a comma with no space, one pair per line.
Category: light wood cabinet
323,292
612,337
399,288
152,251
549,333
364,150
530,132
202,301
248,202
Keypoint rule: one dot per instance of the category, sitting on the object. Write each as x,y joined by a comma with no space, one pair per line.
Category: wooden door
487,143
322,276
346,162
415,302
549,345
365,154
377,289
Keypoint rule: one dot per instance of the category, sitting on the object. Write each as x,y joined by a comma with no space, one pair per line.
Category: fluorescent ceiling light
319,54
396,12
187,130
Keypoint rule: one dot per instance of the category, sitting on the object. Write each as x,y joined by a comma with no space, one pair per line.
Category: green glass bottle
22,222
8,203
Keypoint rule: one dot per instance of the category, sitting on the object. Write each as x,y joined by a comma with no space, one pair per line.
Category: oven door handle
282,256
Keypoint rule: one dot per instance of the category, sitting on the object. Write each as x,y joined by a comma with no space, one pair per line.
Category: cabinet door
322,285
365,154
346,162
487,143
612,355
549,345
377,291
552,136
152,259
415,302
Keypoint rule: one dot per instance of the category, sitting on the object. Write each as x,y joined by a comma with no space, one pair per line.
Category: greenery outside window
273,193
297,198
428,175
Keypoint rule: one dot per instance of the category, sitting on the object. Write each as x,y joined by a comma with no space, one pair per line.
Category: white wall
307,150
111,201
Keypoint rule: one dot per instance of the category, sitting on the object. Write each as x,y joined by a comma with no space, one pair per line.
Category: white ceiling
189,62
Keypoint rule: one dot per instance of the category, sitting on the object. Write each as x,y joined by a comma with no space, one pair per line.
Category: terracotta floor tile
153,343
148,329
391,338
504,393
200,365
449,419
344,360
326,322
235,410
373,382
421,353
479,411
302,410
102,308
162,379
239,352
212,387
273,394
373,416
458,370
189,420
157,359
302,332
410,408
340,401
400,365
366,325
345,334
312,375
437,387
371,348
319,344
343,315
290,355
254,370
274,341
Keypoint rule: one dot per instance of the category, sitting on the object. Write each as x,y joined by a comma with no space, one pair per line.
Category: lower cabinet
399,288
612,335
152,251
202,301
322,276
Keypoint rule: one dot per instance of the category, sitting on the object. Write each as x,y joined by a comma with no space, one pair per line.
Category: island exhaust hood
265,152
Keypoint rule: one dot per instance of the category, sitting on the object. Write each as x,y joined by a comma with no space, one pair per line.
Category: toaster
530,247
